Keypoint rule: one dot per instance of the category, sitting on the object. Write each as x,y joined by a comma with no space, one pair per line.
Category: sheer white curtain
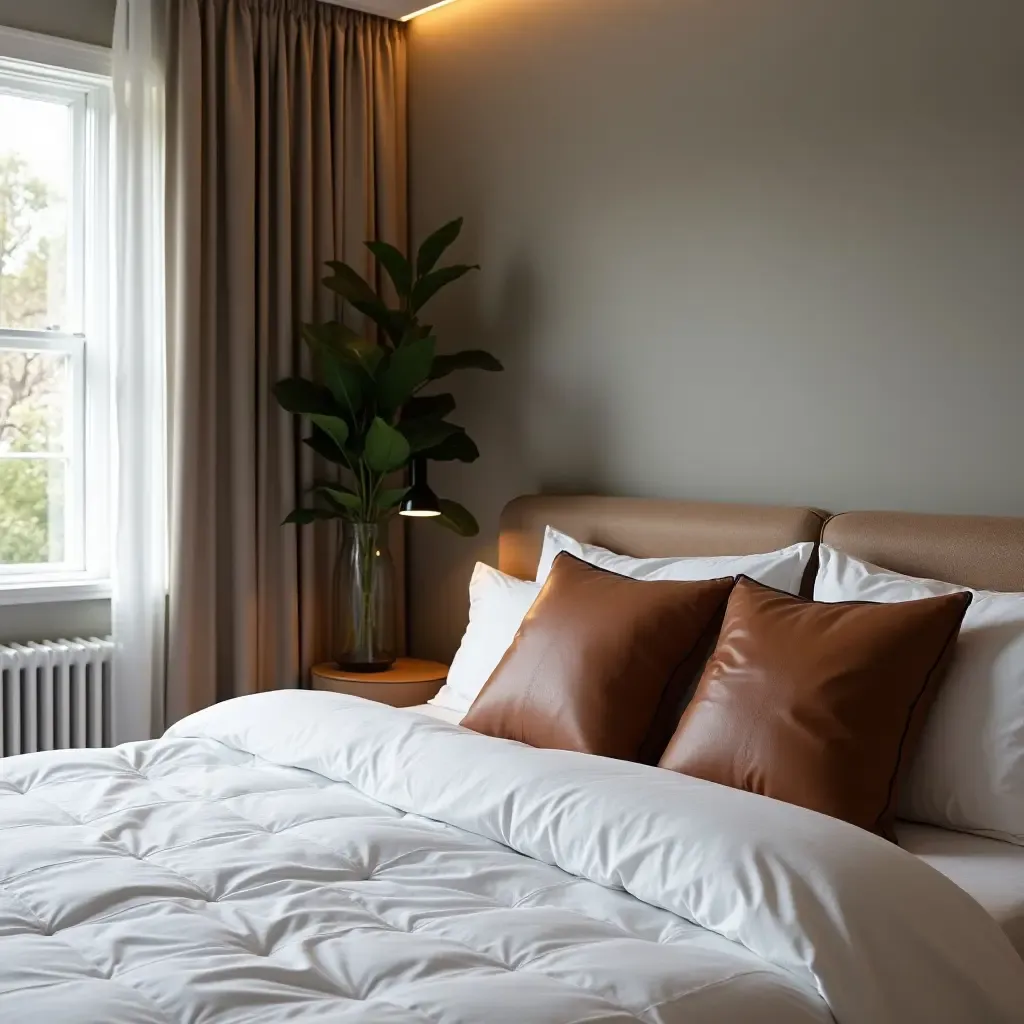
140,570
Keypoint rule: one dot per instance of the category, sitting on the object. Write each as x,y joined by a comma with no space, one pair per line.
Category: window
54,307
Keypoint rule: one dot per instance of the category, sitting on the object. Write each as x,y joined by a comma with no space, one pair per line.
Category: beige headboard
649,528
972,551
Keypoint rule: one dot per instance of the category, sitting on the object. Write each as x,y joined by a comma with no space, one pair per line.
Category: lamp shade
420,501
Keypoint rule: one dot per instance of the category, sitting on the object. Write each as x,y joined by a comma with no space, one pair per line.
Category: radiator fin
55,695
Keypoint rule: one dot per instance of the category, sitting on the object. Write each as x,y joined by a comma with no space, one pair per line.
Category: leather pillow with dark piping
593,657
819,705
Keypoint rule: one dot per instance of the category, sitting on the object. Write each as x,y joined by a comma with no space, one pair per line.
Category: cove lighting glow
432,7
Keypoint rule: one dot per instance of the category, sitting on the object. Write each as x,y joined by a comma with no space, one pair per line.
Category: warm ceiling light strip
432,7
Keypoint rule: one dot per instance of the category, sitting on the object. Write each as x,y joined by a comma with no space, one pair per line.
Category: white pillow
783,570
497,606
968,773
499,603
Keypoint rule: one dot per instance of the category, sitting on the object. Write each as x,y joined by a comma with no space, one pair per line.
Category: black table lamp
420,501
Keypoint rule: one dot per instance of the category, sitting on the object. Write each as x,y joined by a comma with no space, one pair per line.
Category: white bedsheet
991,871
307,856
441,714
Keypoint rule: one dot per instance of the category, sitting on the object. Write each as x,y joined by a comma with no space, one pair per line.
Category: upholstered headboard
649,528
972,551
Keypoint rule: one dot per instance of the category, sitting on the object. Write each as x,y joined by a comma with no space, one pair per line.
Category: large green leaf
346,384
389,499
345,379
414,331
425,434
427,287
335,428
474,359
457,448
346,344
322,444
394,323
350,285
332,334
386,449
407,369
342,498
434,247
305,516
354,289
366,355
304,398
458,519
436,406
398,267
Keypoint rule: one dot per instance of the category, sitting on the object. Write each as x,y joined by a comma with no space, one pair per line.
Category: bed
309,856
991,872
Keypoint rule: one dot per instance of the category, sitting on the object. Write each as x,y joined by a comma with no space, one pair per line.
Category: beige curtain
286,148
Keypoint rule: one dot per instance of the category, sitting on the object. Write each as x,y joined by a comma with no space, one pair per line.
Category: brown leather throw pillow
819,705
592,658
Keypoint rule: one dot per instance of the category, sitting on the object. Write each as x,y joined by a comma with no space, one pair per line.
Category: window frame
80,75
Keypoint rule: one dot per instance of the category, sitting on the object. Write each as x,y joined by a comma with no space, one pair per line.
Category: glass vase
365,619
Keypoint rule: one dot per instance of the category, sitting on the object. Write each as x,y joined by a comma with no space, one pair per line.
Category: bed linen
441,714
990,870
314,857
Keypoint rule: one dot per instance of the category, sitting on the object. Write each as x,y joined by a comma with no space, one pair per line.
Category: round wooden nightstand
409,683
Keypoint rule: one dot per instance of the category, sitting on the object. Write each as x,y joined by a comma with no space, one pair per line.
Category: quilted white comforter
311,857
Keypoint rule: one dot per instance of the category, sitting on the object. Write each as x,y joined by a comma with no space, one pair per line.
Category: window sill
53,591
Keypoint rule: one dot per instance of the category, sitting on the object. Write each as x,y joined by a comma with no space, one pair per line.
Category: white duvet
311,857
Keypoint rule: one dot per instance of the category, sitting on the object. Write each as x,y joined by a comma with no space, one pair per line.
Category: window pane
35,401
32,510
35,190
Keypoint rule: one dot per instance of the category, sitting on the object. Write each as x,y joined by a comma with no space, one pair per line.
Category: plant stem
367,626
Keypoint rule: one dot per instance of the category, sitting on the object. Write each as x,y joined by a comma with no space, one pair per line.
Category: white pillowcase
968,773
499,603
783,570
497,606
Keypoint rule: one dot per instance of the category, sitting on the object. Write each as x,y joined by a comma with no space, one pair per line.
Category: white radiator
55,695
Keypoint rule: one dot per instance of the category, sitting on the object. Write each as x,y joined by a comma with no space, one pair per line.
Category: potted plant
371,418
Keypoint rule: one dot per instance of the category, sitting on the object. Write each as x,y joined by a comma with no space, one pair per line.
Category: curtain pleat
286,148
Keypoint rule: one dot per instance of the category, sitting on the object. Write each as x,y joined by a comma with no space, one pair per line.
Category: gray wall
22,623
753,250
87,21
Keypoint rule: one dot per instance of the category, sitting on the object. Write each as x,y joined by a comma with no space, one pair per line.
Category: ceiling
389,8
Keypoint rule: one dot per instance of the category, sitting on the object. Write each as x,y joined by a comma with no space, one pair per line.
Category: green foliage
303,397
308,516
24,256
406,369
395,264
335,428
429,407
472,360
427,287
339,497
31,490
24,512
459,447
428,433
436,246
367,413
458,519
389,499
387,450
322,444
